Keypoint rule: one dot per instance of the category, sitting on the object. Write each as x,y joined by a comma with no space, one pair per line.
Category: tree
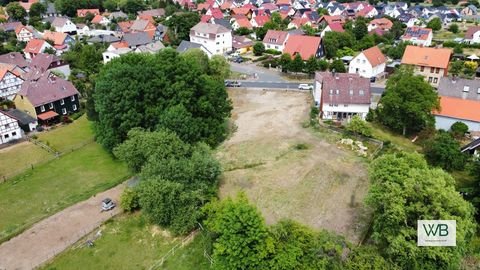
435,24
458,129
397,51
218,67
403,191
285,61
297,64
311,65
243,31
345,52
36,11
366,258
358,126
110,5
338,66
180,25
309,30
456,67
16,12
453,28
139,90
408,102
458,49
129,200
69,7
360,29
322,65
132,6
333,41
444,151
470,67
258,48
241,239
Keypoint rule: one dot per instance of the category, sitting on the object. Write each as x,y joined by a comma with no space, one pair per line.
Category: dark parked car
237,60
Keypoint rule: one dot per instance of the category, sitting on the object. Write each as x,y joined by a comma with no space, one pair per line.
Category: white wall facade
219,44
475,37
444,122
362,67
10,85
331,111
24,35
420,42
69,26
9,129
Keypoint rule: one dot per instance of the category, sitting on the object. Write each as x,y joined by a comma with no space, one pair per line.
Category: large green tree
435,24
180,25
405,190
444,151
69,7
16,12
333,41
360,29
165,90
241,239
408,102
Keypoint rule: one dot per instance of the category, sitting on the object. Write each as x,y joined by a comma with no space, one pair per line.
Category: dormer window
478,90
331,91
351,92
361,93
466,88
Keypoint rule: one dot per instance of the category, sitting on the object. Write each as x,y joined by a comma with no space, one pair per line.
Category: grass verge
70,136
31,196
130,242
20,157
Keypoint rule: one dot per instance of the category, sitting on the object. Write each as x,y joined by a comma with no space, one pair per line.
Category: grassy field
129,242
381,133
35,194
66,137
19,157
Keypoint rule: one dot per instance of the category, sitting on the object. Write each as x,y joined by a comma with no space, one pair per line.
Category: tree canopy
16,11
180,25
435,24
165,90
408,102
444,151
404,189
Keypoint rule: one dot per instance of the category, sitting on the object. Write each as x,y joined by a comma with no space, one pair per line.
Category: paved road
54,234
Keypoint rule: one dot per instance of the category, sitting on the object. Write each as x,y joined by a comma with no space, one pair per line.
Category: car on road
108,204
237,59
233,84
305,86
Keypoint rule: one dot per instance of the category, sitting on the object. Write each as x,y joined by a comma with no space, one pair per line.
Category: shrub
129,200
358,126
272,51
458,129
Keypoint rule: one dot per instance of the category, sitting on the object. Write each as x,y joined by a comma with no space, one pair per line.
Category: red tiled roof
459,108
374,56
275,37
261,20
424,56
216,13
298,22
336,27
306,46
20,27
58,38
125,26
205,18
97,19
244,22
333,19
382,23
283,3
470,31
241,11
352,89
47,115
34,46
84,12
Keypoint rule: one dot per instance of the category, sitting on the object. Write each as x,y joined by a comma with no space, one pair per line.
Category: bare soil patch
287,170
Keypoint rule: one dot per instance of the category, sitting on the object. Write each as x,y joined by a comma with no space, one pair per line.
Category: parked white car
305,86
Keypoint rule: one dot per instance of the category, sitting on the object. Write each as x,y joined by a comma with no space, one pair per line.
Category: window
14,133
7,125
6,136
466,88
64,111
50,105
62,101
422,68
331,91
432,70
437,70
351,92
430,79
435,80
337,92
361,92
42,108
74,107
478,90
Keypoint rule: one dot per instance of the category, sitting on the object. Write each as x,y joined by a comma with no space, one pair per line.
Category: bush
77,115
444,151
274,52
129,200
258,48
458,129
358,126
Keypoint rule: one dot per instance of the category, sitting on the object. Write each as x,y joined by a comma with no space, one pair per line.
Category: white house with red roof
370,63
25,33
418,36
101,20
341,96
382,23
241,22
64,25
214,37
275,40
34,47
9,128
259,21
472,35
332,27
368,11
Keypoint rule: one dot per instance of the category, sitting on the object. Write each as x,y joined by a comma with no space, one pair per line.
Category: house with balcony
214,37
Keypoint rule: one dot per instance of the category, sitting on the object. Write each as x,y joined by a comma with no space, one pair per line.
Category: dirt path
54,234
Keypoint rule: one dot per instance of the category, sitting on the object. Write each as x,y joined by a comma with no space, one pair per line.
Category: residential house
341,96
247,12
472,35
332,27
418,36
326,20
275,40
34,47
25,33
473,148
432,63
26,122
82,29
61,41
215,38
51,11
46,97
113,53
152,48
469,10
10,26
151,14
305,46
134,40
104,39
63,25
382,23
367,12
9,128
161,33
242,44
459,102
116,15
49,62
14,58
83,12
101,20
299,22
370,63
259,21
242,22
187,45
10,83
142,26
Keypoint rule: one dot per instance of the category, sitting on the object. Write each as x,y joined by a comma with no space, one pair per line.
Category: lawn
70,136
35,194
381,133
130,242
16,158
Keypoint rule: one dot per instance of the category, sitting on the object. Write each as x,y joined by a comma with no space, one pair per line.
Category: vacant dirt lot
287,170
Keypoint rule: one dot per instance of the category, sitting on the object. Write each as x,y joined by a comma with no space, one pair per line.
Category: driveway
54,234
